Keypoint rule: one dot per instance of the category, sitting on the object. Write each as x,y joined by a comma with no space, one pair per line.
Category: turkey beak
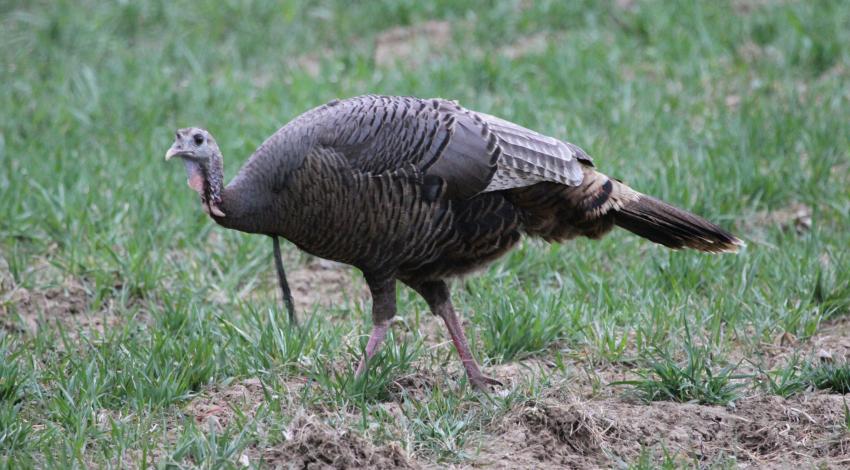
174,150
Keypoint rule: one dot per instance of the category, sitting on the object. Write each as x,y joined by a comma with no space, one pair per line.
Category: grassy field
134,332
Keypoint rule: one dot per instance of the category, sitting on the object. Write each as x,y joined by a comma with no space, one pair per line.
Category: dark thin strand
284,286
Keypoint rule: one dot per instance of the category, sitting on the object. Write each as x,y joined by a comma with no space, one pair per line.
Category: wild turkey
422,190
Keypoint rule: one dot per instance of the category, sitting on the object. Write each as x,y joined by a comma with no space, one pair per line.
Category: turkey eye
199,139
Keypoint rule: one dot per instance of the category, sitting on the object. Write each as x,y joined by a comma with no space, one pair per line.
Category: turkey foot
437,294
483,383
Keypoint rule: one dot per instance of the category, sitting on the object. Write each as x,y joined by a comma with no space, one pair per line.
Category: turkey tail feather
662,223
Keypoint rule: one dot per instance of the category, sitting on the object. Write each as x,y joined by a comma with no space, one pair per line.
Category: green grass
732,114
516,326
695,379
445,424
14,381
833,377
343,388
647,461
796,377
789,379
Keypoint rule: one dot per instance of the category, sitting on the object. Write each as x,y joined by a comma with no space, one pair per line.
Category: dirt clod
573,425
315,445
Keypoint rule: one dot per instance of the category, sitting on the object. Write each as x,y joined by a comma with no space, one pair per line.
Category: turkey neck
248,201
246,210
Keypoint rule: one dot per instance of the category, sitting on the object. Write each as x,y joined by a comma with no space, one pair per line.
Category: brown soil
216,407
578,423
27,311
795,216
308,441
761,431
746,7
63,305
325,283
831,343
412,45
527,45
315,445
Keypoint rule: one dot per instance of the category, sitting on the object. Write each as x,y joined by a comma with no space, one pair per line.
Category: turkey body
361,182
421,190
389,225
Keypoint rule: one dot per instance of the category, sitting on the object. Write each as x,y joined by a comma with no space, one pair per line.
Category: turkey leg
438,296
383,310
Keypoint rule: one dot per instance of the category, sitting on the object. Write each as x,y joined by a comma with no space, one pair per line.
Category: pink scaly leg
379,331
383,310
437,294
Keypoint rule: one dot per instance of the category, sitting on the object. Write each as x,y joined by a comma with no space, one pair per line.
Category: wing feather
529,157
471,152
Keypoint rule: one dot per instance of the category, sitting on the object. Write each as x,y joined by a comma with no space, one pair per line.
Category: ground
135,333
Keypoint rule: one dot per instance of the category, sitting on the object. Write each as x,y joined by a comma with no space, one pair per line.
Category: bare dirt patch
831,343
626,4
795,216
309,442
311,64
325,283
313,444
559,431
833,340
412,45
527,45
573,425
67,305
63,304
746,7
217,407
